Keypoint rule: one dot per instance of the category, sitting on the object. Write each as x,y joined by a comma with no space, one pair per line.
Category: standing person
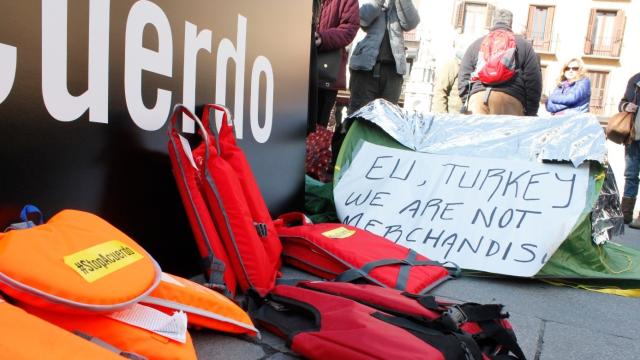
629,103
378,62
446,98
338,22
516,94
573,90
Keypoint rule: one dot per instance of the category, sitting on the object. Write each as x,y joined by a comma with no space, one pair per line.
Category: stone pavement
551,322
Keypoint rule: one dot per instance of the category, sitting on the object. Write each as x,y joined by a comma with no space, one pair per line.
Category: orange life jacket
129,338
26,337
75,263
204,307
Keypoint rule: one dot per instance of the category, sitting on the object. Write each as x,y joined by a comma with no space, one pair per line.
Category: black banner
86,88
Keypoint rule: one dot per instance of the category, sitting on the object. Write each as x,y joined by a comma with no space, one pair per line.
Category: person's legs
631,181
326,100
631,169
390,83
363,87
477,105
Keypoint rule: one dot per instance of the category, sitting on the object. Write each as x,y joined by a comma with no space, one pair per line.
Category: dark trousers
326,100
381,82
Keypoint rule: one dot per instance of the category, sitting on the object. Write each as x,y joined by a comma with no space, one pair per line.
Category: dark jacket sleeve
574,95
532,77
407,14
343,35
467,66
630,92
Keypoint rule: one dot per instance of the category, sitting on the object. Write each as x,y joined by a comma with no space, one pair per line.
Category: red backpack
496,58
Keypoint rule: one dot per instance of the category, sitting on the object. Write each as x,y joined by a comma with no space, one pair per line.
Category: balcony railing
411,36
543,42
603,46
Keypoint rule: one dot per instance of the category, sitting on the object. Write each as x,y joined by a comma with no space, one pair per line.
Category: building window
473,17
598,88
539,27
605,33
543,70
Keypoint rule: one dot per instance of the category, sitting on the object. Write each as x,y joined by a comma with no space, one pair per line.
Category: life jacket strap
106,345
215,271
354,274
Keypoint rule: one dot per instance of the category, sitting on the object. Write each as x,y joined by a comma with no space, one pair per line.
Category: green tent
578,261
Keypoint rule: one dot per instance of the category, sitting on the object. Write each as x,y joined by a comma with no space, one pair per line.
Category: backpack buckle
456,313
261,229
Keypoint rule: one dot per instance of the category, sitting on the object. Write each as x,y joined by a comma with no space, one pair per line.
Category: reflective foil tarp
575,138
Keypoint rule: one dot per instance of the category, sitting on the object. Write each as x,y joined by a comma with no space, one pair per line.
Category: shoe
635,224
626,206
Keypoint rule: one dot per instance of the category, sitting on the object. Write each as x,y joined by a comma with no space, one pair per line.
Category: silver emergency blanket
575,138
606,217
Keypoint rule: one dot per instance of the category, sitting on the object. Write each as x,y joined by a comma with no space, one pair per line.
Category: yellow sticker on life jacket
101,260
339,233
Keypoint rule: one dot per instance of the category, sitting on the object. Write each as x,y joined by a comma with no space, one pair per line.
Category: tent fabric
578,261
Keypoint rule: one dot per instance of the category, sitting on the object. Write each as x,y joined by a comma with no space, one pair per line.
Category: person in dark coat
520,95
573,90
338,24
629,103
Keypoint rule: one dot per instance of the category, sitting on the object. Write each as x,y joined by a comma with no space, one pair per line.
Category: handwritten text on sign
495,215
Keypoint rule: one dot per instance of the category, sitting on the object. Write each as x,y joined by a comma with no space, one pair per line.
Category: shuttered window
473,17
598,90
605,33
539,27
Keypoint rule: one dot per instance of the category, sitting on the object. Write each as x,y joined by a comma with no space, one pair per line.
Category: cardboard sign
496,215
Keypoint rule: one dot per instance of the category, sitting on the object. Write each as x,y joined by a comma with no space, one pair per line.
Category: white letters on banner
496,215
8,62
59,102
64,106
138,58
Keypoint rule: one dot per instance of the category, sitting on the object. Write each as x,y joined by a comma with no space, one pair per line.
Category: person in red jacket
337,25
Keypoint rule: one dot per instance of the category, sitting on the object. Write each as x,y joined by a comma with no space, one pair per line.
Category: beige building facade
600,33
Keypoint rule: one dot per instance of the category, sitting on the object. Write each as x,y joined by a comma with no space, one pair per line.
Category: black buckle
456,313
261,228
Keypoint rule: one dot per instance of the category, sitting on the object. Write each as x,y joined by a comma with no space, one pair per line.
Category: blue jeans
631,169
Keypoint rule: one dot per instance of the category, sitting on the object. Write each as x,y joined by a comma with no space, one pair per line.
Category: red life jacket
346,253
234,156
320,325
187,166
250,259
487,324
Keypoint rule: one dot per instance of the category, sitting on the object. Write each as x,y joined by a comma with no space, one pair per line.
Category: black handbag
329,67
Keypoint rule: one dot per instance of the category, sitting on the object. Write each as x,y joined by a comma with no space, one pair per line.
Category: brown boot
627,206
